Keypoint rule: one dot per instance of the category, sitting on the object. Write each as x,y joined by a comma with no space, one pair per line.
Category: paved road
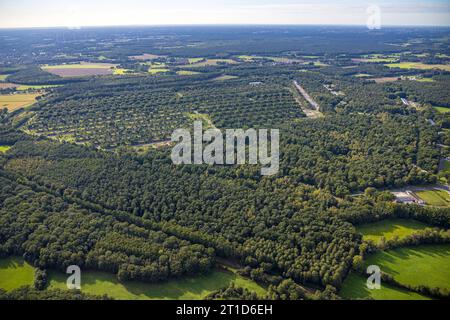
308,98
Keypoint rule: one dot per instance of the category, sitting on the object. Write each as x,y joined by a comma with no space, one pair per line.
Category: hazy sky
51,13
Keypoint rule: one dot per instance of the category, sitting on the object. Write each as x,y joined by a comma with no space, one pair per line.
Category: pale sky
78,13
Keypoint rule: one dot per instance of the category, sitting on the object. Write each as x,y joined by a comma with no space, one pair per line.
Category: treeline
29,293
49,233
362,211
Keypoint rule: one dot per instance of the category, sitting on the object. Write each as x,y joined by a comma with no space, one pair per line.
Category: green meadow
4,148
442,109
438,198
354,287
389,229
15,273
426,265
187,288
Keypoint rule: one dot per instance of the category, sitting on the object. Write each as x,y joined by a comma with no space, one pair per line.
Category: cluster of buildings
408,197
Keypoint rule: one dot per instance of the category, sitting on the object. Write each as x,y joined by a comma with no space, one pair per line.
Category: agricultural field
419,66
36,87
187,73
208,62
13,102
354,287
157,70
439,198
14,273
145,57
225,77
80,69
7,85
388,229
422,265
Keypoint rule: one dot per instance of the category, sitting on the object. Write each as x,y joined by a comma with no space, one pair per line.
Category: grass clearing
3,149
389,229
418,65
362,75
16,101
442,109
206,119
426,265
187,73
158,70
15,273
3,77
354,287
195,60
188,288
439,198
224,78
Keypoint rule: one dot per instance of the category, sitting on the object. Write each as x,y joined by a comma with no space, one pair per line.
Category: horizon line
224,25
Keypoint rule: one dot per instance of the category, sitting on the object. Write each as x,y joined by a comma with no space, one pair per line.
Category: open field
442,109
3,77
36,87
7,85
418,65
209,62
439,198
4,148
362,75
389,229
190,288
80,69
426,265
385,79
16,101
224,78
120,71
158,70
354,287
186,73
14,273
195,60
145,56
375,60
